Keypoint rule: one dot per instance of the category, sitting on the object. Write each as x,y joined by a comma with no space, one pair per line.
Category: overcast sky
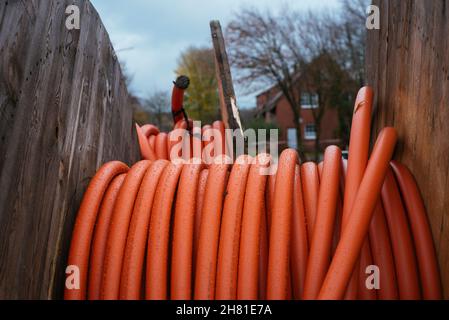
149,35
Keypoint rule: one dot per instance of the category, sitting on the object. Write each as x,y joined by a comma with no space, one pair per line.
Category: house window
309,100
291,138
310,132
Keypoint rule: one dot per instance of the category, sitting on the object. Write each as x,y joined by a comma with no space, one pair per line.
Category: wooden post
228,104
408,68
64,111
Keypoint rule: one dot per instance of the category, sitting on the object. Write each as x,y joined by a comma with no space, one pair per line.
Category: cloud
150,35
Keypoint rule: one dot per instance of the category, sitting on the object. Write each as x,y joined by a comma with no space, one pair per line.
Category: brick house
273,107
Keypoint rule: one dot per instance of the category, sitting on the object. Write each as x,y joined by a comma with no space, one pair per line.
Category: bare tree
320,52
351,33
157,104
258,46
341,34
334,45
349,43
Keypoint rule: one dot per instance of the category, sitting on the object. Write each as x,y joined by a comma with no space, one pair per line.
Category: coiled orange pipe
424,248
310,187
159,234
229,244
320,246
206,260
299,242
250,241
356,165
100,236
221,231
354,233
183,229
118,230
133,261
382,254
84,225
279,248
401,240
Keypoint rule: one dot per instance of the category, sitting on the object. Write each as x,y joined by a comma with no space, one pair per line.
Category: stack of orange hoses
163,230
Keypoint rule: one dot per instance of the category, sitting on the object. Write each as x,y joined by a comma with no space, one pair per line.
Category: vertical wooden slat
228,103
64,111
408,66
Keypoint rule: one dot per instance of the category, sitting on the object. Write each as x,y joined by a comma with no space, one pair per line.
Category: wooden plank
408,67
228,103
64,111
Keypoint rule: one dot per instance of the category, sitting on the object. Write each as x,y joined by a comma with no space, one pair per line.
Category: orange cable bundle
165,230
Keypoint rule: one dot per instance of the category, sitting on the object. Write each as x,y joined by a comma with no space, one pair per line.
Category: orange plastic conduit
100,237
145,150
424,248
263,253
366,259
84,225
321,244
356,165
199,206
206,261
133,261
279,253
160,145
401,240
310,187
299,242
151,227
270,199
382,254
250,241
150,130
118,230
231,221
183,230
216,231
356,229
159,233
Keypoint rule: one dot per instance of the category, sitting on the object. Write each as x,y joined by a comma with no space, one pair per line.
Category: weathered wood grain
228,102
63,112
408,66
